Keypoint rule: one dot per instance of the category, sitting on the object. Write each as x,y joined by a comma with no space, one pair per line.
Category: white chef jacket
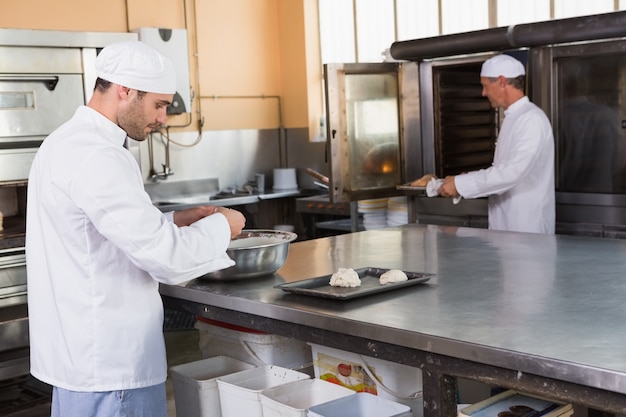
520,182
96,250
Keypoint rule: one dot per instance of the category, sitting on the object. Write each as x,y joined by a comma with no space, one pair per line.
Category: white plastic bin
361,404
240,393
259,348
195,385
294,398
390,380
504,402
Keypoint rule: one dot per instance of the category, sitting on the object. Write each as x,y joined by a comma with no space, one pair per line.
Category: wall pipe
584,28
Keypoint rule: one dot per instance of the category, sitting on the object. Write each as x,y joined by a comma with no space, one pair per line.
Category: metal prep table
545,315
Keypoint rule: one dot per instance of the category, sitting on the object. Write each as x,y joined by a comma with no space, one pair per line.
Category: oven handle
50,81
16,291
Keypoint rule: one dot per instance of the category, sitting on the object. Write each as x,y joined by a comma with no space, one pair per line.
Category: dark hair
103,85
517,82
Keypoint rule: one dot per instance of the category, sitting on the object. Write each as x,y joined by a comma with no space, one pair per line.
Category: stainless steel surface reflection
546,305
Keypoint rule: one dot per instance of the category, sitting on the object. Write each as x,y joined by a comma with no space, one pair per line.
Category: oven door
31,107
371,111
13,314
581,86
33,104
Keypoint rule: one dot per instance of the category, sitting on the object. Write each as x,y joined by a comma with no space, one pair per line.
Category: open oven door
372,110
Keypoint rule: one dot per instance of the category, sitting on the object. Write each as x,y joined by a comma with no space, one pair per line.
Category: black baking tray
370,284
409,187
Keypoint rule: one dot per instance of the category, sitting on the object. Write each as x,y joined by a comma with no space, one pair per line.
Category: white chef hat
136,65
504,65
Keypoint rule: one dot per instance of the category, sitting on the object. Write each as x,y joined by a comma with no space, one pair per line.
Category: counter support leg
439,394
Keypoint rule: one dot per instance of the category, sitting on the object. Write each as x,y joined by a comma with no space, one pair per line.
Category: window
572,8
464,15
417,19
374,29
525,11
337,31
359,30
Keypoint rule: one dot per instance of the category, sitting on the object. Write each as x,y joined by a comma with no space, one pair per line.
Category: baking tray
370,284
409,187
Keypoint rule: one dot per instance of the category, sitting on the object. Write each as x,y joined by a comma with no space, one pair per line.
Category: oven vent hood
584,28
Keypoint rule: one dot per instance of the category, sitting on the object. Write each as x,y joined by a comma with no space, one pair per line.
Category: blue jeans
141,402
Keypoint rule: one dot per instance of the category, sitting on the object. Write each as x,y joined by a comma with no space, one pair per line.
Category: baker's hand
192,215
448,188
236,220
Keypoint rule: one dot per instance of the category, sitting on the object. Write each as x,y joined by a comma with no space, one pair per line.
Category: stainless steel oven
40,88
576,72
13,311
44,77
582,87
459,130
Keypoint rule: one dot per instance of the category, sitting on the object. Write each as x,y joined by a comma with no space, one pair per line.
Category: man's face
143,113
493,89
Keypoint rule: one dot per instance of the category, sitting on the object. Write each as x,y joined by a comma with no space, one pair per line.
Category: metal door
372,110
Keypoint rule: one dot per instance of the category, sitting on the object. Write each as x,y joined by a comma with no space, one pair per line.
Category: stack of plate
374,213
397,211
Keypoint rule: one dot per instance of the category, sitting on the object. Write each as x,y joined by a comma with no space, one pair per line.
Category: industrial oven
389,123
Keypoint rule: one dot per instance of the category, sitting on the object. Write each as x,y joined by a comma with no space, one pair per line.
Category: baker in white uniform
520,182
97,248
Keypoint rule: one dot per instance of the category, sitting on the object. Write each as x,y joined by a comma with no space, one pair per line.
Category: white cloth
520,182
96,251
432,189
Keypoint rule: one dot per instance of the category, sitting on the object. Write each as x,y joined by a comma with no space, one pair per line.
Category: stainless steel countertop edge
234,201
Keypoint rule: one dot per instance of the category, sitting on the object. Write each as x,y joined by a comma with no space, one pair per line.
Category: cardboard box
390,380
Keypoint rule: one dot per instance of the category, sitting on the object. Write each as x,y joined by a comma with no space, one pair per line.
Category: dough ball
393,275
345,277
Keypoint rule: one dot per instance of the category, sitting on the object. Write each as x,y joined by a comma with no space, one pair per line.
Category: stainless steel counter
548,309
181,195
235,200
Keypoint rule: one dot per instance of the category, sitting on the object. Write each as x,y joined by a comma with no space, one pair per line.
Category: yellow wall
244,55
84,15
238,56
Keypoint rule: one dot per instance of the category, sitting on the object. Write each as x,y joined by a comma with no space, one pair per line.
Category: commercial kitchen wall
254,68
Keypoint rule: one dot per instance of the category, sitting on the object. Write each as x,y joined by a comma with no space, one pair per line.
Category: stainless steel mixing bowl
256,253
